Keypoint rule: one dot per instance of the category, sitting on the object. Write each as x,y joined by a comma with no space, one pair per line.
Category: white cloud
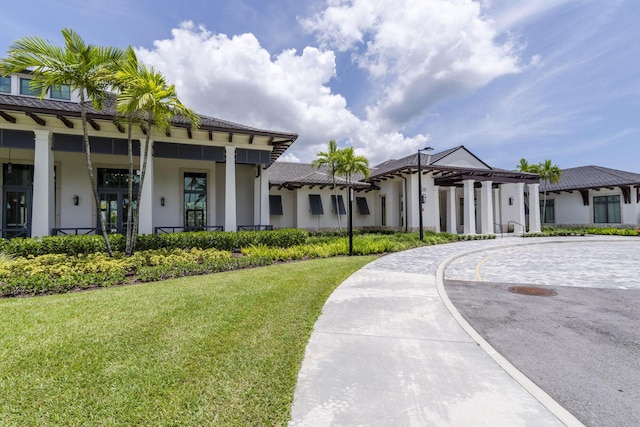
421,52
234,78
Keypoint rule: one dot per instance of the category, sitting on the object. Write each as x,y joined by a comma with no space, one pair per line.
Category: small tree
549,174
330,159
84,67
524,165
146,96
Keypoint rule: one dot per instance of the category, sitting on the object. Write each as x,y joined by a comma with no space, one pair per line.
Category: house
592,195
462,195
213,177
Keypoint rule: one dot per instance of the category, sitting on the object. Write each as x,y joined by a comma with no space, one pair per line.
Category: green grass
222,349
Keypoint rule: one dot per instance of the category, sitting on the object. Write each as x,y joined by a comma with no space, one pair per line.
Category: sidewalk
387,351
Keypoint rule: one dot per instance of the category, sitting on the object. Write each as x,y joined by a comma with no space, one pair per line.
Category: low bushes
224,241
582,231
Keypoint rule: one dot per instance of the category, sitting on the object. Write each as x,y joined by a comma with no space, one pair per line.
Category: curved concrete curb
554,407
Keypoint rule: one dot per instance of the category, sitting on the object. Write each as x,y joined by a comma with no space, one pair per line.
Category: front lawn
222,349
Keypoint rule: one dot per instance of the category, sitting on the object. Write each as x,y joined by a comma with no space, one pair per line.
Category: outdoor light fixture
162,201
76,200
420,197
510,201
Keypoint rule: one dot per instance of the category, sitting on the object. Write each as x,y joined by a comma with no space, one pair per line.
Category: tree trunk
129,229
92,179
335,194
143,170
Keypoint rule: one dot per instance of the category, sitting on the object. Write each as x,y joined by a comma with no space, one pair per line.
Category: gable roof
279,140
295,175
585,177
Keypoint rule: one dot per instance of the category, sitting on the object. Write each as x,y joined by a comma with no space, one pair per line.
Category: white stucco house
210,178
593,195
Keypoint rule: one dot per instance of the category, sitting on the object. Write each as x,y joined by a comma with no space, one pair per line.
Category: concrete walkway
390,350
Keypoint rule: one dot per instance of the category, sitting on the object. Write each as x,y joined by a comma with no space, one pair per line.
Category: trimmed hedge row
224,241
581,231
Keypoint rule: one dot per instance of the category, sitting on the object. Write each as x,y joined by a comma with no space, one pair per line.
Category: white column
519,202
257,196
534,208
435,208
486,208
497,217
469,207
265,218
230,221
452,218
43,207
145,204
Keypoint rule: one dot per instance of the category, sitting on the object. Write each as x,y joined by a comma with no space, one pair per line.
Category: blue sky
553,79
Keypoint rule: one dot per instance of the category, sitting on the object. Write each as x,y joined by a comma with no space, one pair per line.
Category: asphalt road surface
582,346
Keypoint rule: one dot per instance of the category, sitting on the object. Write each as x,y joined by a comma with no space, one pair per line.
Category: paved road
581,346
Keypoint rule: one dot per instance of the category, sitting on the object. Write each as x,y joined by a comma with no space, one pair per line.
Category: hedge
224,241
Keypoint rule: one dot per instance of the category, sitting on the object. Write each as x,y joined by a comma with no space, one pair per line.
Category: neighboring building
593,195
190,182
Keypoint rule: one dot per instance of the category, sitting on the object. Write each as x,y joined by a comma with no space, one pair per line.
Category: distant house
593,195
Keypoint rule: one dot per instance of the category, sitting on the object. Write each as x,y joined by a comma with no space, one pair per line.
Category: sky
553,79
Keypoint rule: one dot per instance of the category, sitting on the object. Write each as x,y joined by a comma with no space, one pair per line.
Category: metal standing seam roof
585,177
287,174
108,112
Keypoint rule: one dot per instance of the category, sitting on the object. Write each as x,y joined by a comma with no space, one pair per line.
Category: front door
17,197
113,209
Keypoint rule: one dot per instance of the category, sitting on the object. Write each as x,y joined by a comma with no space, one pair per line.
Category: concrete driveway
582,346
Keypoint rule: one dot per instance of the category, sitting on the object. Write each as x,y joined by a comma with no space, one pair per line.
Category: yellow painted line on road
479,266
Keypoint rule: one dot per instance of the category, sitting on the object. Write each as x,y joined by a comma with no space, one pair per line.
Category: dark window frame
57,92
343,210
315,200
549,211
4,81
607,201
22,89
275,204
363,206
195,222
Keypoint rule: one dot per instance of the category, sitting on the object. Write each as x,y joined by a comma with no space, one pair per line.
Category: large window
195,200
549,213
5,84
25,88
339,207
606,210
61,92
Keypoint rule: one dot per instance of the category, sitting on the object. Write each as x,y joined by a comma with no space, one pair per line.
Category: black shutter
316,204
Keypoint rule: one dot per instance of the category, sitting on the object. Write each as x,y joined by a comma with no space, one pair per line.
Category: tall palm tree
82,66
350,164
524,165
549,174
146,95
330,159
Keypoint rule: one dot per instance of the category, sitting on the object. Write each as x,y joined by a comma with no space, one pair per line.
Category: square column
519,202
486,208
452,216
469,213
497,216
265,217
230,220
145,204
433,212
43,205
534,208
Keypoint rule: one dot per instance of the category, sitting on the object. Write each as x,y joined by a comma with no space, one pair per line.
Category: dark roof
281,140
585,177
291,175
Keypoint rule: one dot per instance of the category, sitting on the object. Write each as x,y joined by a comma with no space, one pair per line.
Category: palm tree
146,96
330,159
84,67
524,165
549,174
350,164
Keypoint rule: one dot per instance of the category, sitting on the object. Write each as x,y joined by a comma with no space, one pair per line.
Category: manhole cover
532,290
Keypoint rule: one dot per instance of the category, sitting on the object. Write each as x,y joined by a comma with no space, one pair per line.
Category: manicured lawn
222,349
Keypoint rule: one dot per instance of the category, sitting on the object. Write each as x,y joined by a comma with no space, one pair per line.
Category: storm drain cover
532,290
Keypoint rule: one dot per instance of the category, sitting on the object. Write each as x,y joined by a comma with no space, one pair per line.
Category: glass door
17,196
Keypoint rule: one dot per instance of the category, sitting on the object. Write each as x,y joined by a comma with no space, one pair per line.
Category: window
5,84
549,213
383,210
61,92
316,204
25,88
606,210
340,204
275,204
363,207
195,200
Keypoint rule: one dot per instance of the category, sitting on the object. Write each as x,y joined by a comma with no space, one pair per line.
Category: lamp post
420,197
